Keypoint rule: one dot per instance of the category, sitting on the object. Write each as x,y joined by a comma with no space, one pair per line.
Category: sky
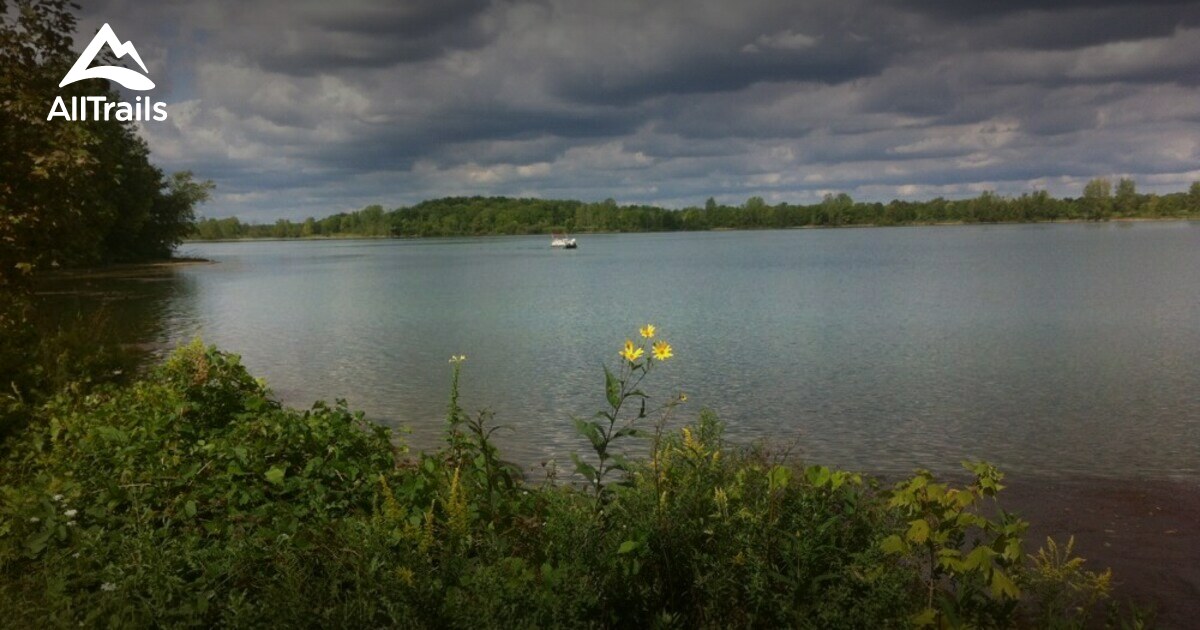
297,108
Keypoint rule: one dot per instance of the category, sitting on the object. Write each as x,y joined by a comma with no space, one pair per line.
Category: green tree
46,170
73,192
173,214
1126,200
1097,199
834,208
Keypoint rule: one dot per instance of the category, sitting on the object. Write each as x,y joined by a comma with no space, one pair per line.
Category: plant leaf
918,531
1003,586
584,468
275,475
893,544
612,388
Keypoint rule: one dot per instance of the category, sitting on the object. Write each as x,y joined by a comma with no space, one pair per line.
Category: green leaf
583,467
275,475
591,430
918,531
951,560
612,388
630,431
628,546
979,557
37,542
817,475
1003,586
893,544
779,477
190,508
924,618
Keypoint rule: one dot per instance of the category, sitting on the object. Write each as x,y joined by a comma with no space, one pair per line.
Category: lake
1056,350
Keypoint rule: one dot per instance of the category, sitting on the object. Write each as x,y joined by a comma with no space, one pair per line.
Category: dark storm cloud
332,36
1083,26
983,9
312,107
827,61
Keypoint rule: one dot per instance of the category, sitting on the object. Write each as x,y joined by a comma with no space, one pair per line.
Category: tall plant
626,407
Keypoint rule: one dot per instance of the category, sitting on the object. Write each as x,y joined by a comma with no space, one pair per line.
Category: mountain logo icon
129,78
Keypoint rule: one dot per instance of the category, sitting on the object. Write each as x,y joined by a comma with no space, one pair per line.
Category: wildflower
34,519
647,331
458,358
108,586
57,498
71,513
662,350
682,397
630,352
689,441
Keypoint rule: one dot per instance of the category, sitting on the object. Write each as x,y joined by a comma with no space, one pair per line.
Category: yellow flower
630,352
662,350
647,331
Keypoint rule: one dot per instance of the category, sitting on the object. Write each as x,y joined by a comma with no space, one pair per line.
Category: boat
563,241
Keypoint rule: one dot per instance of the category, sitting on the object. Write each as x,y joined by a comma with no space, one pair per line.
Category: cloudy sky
300,108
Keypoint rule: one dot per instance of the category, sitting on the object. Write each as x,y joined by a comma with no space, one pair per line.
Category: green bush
41,356
191,498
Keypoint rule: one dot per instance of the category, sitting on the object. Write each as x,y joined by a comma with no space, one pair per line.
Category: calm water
1056,349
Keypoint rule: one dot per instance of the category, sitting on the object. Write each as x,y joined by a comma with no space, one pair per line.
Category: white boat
563,241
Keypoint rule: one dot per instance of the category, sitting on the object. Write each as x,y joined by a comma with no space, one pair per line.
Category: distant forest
476,216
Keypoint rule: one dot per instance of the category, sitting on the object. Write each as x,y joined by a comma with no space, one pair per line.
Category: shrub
191,498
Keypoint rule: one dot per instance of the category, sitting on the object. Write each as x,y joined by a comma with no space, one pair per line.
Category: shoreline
122,270
354,237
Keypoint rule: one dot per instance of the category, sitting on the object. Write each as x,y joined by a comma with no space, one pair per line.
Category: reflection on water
147,305
1056,349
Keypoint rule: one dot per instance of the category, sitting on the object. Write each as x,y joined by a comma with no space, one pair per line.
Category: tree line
474,216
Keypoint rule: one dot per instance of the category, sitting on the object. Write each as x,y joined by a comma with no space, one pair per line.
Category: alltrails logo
100,107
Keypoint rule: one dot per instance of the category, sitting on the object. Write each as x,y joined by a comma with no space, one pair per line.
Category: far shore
355,237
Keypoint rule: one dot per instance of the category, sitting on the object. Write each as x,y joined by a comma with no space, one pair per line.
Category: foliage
172,486
966,561
463,216
190,497
73,193
1066,593
43,356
